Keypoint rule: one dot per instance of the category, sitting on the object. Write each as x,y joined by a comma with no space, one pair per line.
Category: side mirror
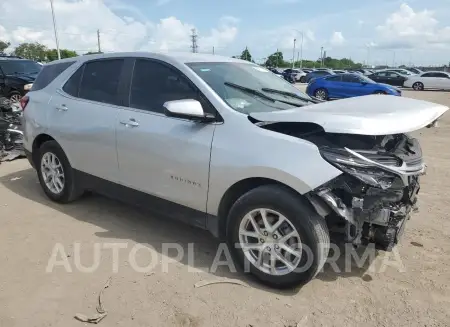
187,109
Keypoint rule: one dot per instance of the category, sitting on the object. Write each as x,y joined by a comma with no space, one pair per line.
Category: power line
194,37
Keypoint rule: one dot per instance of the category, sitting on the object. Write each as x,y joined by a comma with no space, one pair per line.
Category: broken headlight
364,171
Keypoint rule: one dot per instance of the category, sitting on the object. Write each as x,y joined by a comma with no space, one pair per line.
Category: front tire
418,86
303,79
277,236
15,96
55,174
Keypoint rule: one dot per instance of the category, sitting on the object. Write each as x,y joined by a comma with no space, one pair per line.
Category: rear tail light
24,101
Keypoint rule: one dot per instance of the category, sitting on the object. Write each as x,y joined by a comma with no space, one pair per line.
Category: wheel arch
37,143
238,189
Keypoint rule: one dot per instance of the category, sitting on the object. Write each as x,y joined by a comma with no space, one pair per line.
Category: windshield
20,67
249,88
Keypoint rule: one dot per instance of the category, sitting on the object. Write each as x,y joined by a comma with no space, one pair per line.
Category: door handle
130,123
62,107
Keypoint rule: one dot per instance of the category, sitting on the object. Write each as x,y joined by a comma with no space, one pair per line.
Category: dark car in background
389,77
316,74
348,85
17,76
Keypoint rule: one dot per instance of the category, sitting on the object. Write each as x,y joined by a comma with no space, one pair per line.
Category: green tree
246,55
92,52
3,46
52,54
33,51
276,60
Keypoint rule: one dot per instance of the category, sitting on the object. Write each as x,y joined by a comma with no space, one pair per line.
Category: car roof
180,57
435,71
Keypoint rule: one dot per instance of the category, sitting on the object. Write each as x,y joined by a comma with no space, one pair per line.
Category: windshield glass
20,67
249,88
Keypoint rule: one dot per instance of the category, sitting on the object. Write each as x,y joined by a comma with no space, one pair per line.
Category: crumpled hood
368,115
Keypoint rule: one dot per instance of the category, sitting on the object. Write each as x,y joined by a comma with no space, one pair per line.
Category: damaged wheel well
237,190
38,141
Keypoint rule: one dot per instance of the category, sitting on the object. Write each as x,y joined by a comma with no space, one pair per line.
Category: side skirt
148,202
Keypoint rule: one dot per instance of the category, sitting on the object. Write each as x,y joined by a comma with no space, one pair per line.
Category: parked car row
187,136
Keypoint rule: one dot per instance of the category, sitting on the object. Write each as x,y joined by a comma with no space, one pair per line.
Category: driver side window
154,83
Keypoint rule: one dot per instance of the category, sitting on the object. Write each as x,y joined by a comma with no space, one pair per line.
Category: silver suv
228,146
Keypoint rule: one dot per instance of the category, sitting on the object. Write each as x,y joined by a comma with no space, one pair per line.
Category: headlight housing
28,87
358,168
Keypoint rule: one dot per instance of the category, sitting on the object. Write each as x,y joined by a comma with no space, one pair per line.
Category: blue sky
374,31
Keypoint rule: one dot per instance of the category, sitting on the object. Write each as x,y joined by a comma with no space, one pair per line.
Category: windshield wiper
259,93
249,90
287,93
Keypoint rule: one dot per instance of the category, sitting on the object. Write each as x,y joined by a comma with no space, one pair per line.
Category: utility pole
98,41
55,30
321,57
213,50
393,60
194,45
298,56
301,53
293,55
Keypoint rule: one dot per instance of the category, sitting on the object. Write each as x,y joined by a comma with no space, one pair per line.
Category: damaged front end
378,189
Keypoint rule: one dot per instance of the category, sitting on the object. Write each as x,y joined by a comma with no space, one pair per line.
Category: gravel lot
414,294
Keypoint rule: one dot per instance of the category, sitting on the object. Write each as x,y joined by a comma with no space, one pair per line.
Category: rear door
334,86
163,156
352,86
83,117
442,81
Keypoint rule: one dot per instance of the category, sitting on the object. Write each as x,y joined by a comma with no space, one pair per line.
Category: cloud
408,29
337,39
121,27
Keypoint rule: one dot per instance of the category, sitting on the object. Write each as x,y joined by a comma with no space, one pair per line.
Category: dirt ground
416,293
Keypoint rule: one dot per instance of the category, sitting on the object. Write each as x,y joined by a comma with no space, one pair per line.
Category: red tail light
24,101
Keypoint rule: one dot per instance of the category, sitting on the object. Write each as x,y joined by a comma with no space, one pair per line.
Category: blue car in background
317,73
346,86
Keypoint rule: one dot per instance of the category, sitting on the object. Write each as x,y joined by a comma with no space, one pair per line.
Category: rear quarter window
48,74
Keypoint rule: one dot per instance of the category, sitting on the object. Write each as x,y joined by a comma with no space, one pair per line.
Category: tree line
276,59
39,52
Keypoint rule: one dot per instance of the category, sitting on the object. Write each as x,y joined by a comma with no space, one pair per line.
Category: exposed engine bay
374,197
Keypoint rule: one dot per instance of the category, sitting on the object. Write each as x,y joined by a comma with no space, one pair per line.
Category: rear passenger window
72,85
49,73
154,83
100,81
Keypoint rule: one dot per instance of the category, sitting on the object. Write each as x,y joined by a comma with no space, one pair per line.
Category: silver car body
194,164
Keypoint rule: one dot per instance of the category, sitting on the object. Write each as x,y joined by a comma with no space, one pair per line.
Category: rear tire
55,174
297,215
321,94
303,79
418,86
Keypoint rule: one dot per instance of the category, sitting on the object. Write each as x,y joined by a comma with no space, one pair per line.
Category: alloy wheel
52,173
321,94
270,241
15,98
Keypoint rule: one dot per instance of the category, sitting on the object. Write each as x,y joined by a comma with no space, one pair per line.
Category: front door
159,155
83,117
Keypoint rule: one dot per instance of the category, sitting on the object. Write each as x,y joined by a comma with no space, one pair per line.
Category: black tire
303,79
71,191
311,227
325,97
418,86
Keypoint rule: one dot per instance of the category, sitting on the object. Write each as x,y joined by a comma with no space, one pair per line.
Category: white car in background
429,80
